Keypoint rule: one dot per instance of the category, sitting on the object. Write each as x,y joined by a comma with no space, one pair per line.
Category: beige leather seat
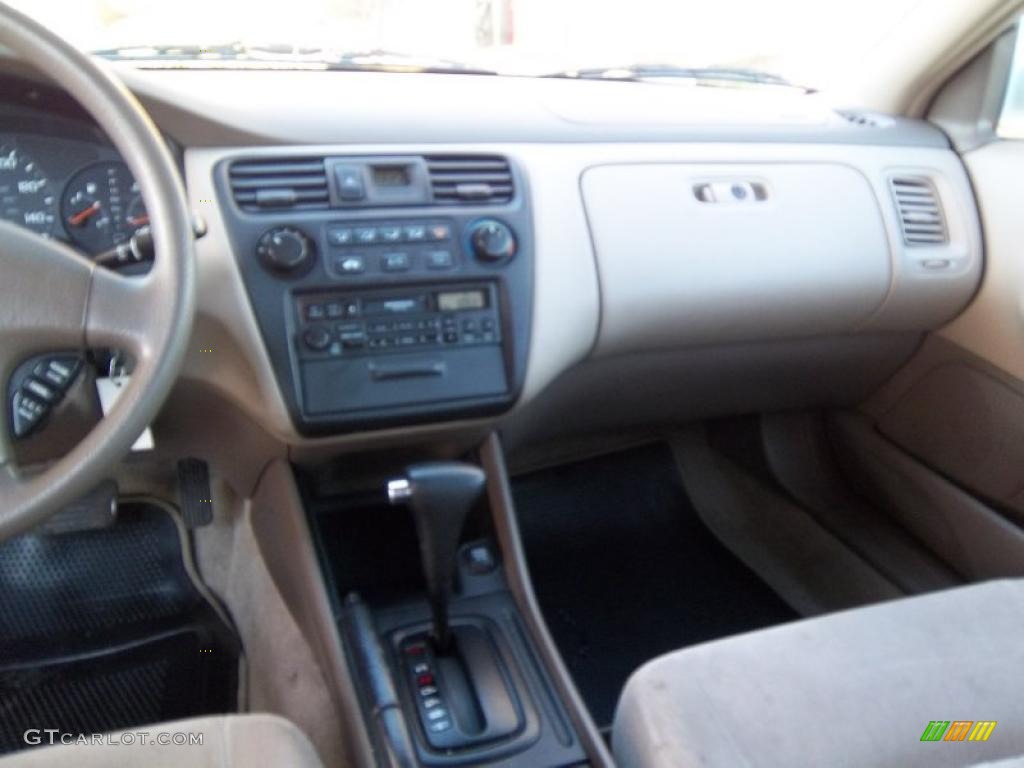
856,688
228,741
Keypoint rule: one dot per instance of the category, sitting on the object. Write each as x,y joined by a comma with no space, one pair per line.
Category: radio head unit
359,351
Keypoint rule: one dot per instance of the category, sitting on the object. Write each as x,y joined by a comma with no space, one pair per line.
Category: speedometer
101,206
25,194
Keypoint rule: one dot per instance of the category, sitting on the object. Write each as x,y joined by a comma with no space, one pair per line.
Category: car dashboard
393,255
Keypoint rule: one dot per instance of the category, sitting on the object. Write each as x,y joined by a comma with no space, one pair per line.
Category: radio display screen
390,175
454,301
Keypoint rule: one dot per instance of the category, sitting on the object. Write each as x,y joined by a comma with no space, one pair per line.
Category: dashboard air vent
866,119
279,183
470,178
920,213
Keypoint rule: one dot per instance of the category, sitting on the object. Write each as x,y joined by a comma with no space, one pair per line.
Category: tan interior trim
279,523
517,572
992,327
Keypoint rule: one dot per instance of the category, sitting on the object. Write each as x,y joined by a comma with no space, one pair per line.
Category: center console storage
388,289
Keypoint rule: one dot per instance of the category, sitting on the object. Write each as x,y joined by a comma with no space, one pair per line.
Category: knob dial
492,241
285,249
317,338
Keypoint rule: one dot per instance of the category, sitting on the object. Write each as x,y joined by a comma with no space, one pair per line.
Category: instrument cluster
71,190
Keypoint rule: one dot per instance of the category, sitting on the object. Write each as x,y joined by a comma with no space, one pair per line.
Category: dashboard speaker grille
279,183
920,213
471,179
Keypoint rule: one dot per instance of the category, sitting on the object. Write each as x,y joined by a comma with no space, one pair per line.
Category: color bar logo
958,730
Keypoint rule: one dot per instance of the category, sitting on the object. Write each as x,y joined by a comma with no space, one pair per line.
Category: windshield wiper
238,54
703,75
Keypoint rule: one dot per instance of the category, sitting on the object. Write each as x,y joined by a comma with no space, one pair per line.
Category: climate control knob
492,241
285,249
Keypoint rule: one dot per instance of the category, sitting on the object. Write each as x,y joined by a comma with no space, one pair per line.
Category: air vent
279,183
470,178
920,213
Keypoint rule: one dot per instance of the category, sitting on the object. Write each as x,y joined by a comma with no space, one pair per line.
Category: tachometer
101,206
25,194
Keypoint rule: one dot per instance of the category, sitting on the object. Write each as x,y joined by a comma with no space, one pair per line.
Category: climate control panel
359,250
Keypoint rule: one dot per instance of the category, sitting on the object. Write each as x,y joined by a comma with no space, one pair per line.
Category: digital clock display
454,301
390,175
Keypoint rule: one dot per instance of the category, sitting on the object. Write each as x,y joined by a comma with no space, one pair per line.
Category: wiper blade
392,61
255,55
655,72
187,51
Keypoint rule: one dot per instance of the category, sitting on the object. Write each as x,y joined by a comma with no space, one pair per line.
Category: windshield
806,42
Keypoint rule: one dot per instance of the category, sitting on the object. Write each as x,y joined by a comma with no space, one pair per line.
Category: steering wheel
53,299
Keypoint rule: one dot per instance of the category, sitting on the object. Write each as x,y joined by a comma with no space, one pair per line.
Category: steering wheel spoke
120,313
43,296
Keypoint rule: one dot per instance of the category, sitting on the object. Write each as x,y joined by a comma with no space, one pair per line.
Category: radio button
440,260
350,182
440,232
415,233
350,265
365,235
315,312
334,310
353,340
390,234
395,262
339,235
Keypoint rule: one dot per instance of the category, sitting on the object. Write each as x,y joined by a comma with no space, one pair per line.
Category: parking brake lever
440,494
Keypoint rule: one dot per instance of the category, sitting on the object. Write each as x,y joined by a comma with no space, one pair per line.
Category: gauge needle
80,218
138,221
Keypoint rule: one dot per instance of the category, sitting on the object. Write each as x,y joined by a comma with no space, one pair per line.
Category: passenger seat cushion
228,742
856,688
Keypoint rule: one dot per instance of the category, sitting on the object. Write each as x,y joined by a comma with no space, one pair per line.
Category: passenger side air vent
920,213
279,183
470,178
866,119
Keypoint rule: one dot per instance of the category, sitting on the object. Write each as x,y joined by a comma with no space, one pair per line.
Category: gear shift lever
441,494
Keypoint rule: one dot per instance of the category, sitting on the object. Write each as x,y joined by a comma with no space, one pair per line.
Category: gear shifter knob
441,493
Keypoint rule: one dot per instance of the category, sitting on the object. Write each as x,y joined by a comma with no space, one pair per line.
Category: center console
448,661
388,289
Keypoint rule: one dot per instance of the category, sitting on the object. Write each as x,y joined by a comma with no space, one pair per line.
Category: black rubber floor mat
104,629
625,570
